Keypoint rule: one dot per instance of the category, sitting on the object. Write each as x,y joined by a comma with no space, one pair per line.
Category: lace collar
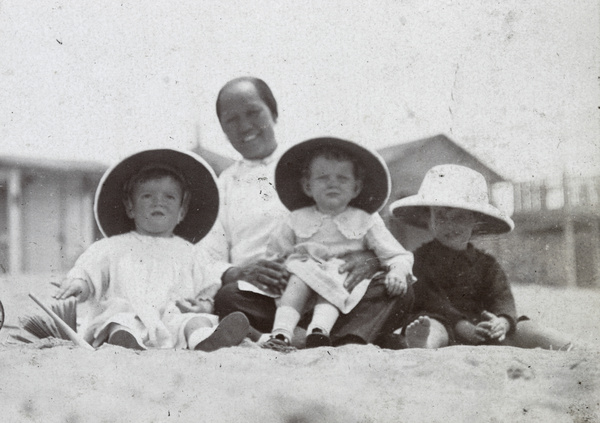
352,223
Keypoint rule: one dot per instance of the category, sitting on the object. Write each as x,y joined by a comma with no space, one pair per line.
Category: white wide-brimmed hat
453,186
203,207
288,174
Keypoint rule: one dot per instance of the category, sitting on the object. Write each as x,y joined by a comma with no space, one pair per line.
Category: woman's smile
247,121
250,137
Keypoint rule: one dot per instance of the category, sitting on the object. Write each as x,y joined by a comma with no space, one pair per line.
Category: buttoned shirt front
250,210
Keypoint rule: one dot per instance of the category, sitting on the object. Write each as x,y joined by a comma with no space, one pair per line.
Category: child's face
332,184
156,206
247,121
452,227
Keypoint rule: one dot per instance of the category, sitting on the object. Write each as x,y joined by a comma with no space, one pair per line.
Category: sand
64,383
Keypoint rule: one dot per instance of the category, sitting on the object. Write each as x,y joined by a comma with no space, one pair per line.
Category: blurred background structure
514,86
557,240
46,213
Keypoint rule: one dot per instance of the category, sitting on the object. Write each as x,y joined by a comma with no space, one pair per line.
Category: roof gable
436,150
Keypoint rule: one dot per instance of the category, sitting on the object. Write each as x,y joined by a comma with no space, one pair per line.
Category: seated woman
250,211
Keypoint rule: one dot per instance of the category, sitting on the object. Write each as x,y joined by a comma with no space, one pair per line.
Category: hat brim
415,211
203,207
288,174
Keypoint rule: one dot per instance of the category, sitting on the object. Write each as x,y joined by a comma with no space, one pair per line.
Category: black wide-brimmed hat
288,174
203,207
457,187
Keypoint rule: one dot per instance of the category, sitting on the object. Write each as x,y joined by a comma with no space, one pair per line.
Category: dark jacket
455,285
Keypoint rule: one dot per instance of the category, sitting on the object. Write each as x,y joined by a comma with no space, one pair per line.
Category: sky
515,83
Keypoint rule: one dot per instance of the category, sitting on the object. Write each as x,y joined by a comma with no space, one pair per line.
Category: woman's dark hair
337,154
263,90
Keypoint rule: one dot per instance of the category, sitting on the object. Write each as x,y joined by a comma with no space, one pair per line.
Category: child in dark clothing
462,294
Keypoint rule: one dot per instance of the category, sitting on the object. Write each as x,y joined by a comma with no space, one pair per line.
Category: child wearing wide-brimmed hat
334,189
462,295
152,207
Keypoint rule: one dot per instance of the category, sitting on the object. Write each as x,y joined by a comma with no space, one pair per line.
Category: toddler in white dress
152,207
334,189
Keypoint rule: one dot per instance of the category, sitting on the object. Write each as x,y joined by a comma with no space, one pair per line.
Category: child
463,296
152,207
334,204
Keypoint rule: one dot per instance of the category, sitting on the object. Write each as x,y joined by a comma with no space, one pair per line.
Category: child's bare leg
197,330
426,332
195,324
531,335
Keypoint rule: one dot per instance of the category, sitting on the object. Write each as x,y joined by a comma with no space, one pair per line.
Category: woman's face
247,121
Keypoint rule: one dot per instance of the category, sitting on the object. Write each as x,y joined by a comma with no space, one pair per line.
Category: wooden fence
564,215
576,193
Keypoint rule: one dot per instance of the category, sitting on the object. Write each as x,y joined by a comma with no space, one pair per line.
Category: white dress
312,242
136,279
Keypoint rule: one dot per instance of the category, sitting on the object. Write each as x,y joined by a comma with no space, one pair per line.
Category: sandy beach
58,382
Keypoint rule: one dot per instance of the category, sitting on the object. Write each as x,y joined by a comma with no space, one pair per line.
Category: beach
59,382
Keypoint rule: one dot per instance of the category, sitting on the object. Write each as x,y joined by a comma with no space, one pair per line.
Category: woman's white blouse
249,212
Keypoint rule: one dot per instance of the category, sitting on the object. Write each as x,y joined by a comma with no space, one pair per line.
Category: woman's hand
72,288
266,275
195,305
360,265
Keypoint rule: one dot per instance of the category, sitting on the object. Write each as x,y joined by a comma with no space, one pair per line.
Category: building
556,240
408,164
558,225
46,211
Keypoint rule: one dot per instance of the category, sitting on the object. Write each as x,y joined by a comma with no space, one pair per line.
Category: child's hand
72,288
396,284
194,305
497,327
468,333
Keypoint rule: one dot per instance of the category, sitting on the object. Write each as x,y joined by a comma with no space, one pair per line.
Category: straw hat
202,211
453,186
288,174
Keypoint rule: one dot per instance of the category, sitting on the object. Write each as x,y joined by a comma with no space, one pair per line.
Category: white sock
263,338
324,317
198,336
286,319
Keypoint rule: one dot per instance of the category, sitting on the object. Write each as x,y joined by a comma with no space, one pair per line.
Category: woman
251,209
